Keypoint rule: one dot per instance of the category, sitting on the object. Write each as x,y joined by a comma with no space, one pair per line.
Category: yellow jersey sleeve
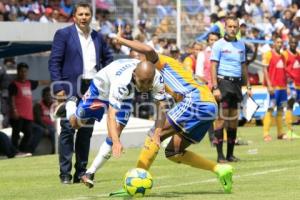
285,56
162,61
266,58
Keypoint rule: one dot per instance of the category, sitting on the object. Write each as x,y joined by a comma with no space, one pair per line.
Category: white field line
257,173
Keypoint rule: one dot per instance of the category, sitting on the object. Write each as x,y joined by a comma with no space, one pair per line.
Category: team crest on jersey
280,64
123,91
296,65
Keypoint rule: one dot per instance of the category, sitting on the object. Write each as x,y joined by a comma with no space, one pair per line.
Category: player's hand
217,94
15,114
117,149
249,92
271,90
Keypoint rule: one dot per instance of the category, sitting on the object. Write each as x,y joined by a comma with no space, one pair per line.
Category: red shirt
276,68
293,66
45,114
23,99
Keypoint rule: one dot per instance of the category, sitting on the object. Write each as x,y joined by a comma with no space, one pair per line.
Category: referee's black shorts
231,93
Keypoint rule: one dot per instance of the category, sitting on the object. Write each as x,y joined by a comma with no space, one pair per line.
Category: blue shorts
278,99
297,95
193,117
92,107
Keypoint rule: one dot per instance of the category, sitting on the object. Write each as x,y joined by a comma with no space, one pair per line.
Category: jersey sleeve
285,56
158,91
266,58
162,60
244,53
216,52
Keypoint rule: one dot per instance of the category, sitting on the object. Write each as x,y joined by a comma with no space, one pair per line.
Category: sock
267,123
102,156
70,108
225,135
231,132
194,160
279,123
148,154
289,119
219,134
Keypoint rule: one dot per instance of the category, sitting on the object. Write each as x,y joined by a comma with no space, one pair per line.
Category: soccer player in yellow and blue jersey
274,63
187,122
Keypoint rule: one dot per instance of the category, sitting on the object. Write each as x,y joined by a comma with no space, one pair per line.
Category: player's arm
215,59
216,91
160,120
151,55
245,74
113,131
244,66
265,62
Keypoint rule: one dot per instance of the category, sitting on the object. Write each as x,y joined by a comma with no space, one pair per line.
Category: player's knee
173,155
219,124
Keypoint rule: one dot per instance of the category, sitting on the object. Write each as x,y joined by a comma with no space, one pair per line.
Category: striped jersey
180,82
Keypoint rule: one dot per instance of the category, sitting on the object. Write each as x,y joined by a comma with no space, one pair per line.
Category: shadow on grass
163,195
181,194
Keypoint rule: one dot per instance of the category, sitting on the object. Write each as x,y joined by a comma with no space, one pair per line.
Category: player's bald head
145,70
144,75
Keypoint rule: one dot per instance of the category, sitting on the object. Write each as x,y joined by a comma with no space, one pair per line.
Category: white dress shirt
88,54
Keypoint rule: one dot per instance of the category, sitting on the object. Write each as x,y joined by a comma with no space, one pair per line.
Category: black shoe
76,179
232,159
65,179
87,179
221,159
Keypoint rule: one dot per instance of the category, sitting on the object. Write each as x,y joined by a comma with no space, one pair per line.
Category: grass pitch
267,171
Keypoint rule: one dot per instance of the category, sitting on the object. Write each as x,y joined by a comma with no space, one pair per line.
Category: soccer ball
138,182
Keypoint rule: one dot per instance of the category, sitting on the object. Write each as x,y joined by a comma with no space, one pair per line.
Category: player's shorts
231,93
278,99
295,92
91,107
192,116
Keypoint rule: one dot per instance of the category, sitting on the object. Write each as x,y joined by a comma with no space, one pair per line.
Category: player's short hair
22,65
213,33
45,91
231,18
84,4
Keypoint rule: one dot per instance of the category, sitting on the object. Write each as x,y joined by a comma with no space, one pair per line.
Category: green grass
267,171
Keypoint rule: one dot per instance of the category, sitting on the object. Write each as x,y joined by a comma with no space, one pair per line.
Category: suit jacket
66,60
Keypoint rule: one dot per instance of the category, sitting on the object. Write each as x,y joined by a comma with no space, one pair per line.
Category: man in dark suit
78,52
